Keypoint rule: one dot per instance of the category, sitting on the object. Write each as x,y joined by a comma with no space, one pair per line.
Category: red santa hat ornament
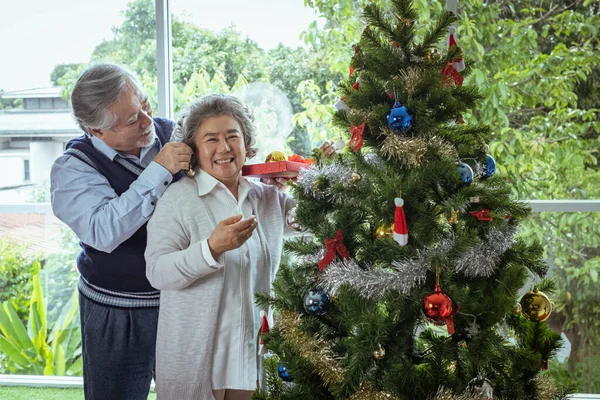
400,229
458,63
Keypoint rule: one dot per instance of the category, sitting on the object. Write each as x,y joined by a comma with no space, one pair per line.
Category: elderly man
105,187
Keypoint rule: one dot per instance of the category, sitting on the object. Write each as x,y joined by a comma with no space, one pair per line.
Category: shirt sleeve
208,255
84,200
172,262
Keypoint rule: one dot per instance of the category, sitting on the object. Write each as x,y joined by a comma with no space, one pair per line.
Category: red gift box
275,169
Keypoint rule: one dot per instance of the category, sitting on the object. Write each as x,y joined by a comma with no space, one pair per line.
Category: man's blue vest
124,269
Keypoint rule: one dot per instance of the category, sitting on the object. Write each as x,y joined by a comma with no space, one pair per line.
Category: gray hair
96,89
216,105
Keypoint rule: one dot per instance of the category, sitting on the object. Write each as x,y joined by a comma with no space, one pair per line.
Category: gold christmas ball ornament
276,155
536,306
385,231
356,177
379,353
432,55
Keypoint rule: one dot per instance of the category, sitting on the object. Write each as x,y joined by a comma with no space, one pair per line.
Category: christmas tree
407,283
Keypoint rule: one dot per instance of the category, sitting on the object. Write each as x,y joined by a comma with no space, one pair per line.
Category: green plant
35,349
59,276
16,270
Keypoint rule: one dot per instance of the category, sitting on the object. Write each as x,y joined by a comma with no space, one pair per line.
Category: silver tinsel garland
371,283
406,275
482,260
373,159
312,258
335,174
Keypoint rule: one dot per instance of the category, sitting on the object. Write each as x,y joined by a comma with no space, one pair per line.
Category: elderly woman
213,241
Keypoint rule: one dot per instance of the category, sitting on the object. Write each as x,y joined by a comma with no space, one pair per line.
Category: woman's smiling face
220,148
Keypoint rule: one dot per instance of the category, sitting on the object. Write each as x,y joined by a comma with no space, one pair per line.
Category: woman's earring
191,172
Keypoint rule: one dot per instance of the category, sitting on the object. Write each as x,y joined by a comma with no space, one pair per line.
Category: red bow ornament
482,215
356,140
334,246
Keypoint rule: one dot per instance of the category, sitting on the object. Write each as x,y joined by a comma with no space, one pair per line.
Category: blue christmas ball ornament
489,167
399,120
283,373
316,301
466,173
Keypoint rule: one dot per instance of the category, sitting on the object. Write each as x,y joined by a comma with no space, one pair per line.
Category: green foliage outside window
35,348
16,269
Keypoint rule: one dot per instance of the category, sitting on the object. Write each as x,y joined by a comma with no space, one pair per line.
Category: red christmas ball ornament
438,307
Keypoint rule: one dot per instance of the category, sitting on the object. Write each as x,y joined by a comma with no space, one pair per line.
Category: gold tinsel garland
411,151
411,78
311,348
366,392
447,394
546,390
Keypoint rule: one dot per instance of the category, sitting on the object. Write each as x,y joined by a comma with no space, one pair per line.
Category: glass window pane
48,44
572,249
253,50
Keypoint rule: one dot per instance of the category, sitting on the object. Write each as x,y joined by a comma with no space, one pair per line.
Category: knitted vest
124,269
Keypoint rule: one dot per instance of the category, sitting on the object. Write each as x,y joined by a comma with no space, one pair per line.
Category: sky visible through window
37,35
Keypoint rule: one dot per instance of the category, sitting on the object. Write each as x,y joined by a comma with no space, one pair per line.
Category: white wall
11,168
41,156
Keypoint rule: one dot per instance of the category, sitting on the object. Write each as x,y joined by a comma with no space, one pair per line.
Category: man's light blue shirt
84,200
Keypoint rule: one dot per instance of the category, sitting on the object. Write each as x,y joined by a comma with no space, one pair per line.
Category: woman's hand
281,183
230,234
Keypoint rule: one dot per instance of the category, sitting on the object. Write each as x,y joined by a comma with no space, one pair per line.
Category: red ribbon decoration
300,159
449,72
356,140
334,246
482,215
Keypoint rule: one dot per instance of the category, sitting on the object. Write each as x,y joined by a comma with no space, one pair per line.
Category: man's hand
230,234
174,157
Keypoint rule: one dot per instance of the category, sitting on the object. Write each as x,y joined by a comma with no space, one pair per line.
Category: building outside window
26,172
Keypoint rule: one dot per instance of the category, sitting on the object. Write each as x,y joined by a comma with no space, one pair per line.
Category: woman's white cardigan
176,265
